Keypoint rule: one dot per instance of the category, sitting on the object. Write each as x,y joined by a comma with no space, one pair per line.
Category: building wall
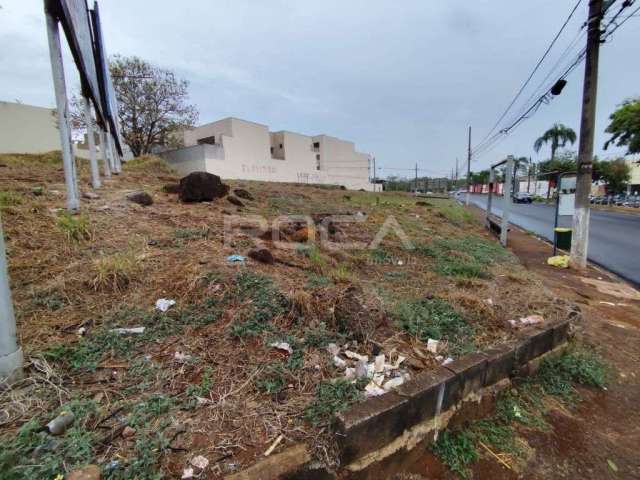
27,129
244,152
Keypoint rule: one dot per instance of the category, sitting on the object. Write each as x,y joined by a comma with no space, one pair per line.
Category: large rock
201,187
141,198
262,255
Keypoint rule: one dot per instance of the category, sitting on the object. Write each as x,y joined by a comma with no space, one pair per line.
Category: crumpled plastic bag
561,261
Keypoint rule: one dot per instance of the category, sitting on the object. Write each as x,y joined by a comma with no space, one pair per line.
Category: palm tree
558,136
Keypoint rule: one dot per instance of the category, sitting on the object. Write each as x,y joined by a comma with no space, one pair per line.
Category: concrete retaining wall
372,432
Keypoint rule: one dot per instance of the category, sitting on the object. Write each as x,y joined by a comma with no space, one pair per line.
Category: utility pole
10,352
529,176
506,200
580,243
468,168
375,174
456,172
416,188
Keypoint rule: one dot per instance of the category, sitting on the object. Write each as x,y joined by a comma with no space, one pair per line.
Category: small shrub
204,387
436,319
317,281
49,299
332,398
148,164
341,274
274,380
116,271
191,233
380,256
457,451
318,337
75,227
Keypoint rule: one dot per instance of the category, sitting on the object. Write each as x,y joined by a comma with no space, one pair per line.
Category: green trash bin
563,238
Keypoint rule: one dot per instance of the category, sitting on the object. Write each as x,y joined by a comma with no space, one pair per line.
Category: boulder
235,201
141,198
242,193
261,255
201,187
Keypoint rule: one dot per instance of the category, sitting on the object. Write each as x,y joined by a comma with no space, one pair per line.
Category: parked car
522,197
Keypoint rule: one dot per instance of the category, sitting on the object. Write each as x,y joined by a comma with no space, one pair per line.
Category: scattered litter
561,261
112,465
489,301
200,462
333,349
432,345
356,356
393,383
350,373
125,331
398,362
362,370
400,262
447,361
373,390
81,331
235,258
181,357
274,445
379,363
528,320
59,425
187,473
339,362
282,346
164,304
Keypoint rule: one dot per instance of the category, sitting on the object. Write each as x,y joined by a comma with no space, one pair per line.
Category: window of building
207,140
271,150
318,157
316,144
281,146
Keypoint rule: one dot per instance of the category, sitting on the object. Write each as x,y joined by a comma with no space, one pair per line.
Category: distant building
634,183
240,149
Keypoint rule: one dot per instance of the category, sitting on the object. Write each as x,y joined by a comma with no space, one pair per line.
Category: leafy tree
153,105
616,174
625,126
564,162
558,136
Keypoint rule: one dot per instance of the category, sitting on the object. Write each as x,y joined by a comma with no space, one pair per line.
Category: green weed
191,233
204,387
380,256
318,337
273,380
457,451
33,453
317,281
49,299
332,398
263,302
75,227
466,257
436,319
10,199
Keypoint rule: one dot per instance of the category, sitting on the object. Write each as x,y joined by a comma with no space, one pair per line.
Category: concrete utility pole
10,353
375,174
468,168
57,69
95,173
506,200
416,187
580,243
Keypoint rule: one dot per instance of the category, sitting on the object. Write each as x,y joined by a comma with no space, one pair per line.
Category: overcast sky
403,80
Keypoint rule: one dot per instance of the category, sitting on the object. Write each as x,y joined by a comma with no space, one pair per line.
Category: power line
535,69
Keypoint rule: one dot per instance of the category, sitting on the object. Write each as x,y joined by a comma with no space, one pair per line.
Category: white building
239,149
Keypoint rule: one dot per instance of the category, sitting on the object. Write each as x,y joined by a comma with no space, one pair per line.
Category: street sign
566,204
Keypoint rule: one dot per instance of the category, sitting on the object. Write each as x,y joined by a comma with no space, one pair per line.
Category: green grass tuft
332,398
457,451
75,227
436,319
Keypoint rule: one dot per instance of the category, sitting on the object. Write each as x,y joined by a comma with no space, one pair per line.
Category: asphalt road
614,238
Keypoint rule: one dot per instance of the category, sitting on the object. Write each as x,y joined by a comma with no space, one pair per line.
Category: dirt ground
602,434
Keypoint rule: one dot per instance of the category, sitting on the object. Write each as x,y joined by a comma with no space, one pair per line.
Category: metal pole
10,352
95,172
109,146
416,187
375,174
506,194
580,242
468,168
105,154
492,179
57,69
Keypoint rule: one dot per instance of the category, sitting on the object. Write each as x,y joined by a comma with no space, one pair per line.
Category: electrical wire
535,69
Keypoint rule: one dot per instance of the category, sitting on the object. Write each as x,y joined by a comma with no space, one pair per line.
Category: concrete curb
380,427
